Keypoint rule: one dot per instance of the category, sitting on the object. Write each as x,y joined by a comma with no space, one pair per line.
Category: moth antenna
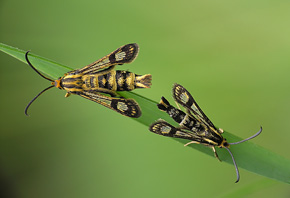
234,161
26,109
29,63
258,133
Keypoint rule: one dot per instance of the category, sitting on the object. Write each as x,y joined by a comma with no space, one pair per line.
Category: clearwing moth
99,78
194,124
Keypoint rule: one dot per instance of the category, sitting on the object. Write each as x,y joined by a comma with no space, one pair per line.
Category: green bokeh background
233,56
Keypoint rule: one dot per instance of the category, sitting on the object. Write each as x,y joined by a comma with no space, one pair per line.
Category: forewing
126,107
124,54
161,127
183,97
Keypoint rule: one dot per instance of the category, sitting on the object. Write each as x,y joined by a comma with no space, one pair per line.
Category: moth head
224,144
57,83
54,83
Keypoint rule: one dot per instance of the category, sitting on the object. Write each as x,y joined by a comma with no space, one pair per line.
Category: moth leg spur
215,153
191,142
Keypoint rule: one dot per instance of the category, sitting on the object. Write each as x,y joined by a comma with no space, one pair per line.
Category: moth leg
215,153
111,93
104,71
67,94
192,142
105,91
220,130
177,105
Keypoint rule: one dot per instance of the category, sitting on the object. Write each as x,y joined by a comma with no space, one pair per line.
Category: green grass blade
46,66
248,155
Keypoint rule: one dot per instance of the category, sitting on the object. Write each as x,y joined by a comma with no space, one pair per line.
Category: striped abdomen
183,119
116,81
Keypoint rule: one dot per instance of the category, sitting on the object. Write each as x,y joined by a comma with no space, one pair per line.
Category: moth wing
126,107
183,97
124,54
162,127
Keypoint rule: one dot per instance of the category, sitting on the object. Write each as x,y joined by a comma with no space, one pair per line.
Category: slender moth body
194,124
99,78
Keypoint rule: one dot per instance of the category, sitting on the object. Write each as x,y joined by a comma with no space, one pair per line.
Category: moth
99,81
194,125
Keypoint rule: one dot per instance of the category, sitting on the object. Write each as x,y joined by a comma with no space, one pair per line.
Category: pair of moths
99,78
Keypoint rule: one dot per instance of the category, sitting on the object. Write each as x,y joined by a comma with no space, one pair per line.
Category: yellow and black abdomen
116,81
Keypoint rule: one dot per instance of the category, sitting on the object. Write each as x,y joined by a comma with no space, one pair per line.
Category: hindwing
126,107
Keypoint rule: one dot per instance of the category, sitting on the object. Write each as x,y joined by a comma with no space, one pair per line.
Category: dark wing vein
162,127
183,97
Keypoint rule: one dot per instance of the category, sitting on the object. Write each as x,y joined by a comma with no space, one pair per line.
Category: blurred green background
233,56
